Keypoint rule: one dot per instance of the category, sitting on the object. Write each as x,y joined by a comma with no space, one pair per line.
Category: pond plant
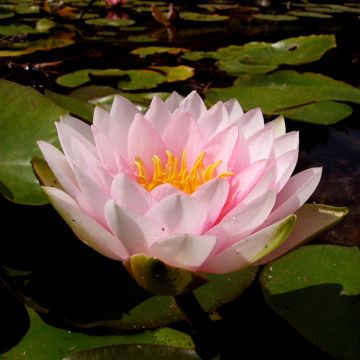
187,168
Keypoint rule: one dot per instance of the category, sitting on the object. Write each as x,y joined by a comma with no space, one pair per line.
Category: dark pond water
72,289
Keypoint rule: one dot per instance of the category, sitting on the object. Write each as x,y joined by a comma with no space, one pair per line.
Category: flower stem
204,335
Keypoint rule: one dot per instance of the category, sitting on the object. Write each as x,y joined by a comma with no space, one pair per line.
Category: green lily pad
130,352
45,342
83,76
26,9
260,57
26,117
141,79
151,50
86,93
284,90
75,107
275,17
44,25
317,290
323,112
310,14
39,45
175,73
16,29
194,16
6,14
110,22
161,310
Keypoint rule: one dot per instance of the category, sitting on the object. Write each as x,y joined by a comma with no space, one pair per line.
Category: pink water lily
202,189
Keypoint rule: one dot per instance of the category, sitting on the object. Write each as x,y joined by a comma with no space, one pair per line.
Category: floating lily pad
260,57
130,352
16,29
6,14
317,290
110,22
194,16
277,17
45,342
75,107
141,79
151,50
90,92
26,9
39,45
283,90
44,25
175,73
310,14
26,117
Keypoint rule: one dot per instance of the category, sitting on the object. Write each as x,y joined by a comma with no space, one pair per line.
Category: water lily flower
207,190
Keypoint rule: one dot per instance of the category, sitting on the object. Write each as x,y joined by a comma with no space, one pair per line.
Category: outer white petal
193,104
311,221
60,167
101,120
241,221
80,126
130,195
88,230
173,101
298,189
136,232
251,249
278,126
285,166
179,214
184,251
158,115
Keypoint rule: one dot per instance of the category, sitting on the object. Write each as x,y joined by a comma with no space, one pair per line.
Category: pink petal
60,167
193,104
213,121
260,145
173,101
213,196
164,190
101,120
144,142
158,115
136,232
121,117
221,147
285,166
66,133
265,183
79,126
183,134
184,251
179,214
278,126
234,110
88,230
251,122
286,143
298,189
243,220
247,251
130,195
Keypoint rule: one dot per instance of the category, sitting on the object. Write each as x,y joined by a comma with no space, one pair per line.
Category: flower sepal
159,278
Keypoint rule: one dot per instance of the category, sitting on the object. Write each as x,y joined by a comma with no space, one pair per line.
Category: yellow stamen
179,177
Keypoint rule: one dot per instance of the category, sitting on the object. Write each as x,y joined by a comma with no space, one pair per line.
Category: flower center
177,174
